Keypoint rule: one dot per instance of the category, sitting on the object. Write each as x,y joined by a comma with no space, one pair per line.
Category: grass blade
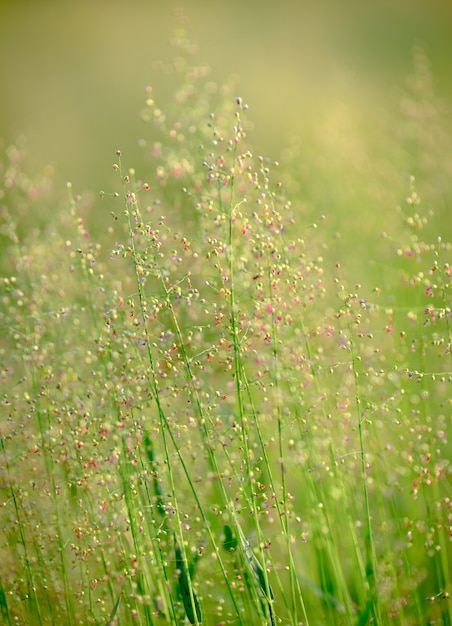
187,592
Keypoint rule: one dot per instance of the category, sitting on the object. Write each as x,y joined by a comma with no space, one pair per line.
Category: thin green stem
241,381
371,561
166,426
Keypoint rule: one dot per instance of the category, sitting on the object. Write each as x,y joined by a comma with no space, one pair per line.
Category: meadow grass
205,419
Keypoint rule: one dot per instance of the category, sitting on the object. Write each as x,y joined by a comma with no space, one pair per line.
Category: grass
207,420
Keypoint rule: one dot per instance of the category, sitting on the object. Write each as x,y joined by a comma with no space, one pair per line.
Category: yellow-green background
73,73
328,85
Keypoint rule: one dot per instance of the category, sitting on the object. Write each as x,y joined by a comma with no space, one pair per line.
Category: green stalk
240,384
4,610
166,427
32,599
318,495
282,515
371,561
44,432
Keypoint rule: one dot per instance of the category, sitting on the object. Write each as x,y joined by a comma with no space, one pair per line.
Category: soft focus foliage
214,411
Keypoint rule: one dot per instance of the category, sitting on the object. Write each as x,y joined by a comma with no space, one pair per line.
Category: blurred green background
73,74
326,83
